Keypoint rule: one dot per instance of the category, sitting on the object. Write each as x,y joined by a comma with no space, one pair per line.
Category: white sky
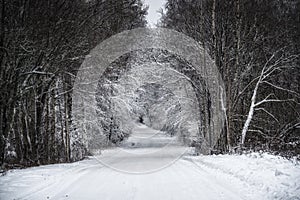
154,6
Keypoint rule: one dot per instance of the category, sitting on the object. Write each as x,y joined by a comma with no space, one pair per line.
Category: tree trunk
67,129
250,114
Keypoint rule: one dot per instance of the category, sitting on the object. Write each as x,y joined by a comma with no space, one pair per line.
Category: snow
157,167
275,177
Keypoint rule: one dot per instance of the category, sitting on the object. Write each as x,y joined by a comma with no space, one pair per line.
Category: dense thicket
42,44
255,45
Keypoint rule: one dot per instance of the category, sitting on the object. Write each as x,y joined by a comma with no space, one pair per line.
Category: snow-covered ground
153,166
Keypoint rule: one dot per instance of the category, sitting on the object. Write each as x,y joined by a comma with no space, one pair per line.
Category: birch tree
272,66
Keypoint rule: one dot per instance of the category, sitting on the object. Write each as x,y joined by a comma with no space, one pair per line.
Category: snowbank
274,176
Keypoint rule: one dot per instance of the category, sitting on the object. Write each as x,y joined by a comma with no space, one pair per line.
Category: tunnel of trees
139,80
254,44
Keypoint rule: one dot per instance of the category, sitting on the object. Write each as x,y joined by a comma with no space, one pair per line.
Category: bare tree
273,65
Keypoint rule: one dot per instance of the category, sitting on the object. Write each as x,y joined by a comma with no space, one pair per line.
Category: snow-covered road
153,166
